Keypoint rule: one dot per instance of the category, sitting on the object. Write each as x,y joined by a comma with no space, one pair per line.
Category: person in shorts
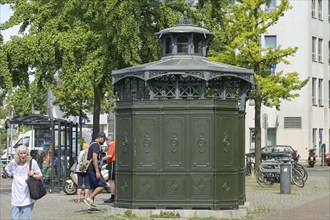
110,159
96,180
82,176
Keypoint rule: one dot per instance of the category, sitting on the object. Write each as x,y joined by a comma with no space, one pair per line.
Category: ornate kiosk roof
183,72
196,66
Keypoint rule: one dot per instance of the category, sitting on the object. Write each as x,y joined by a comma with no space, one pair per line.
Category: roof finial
185,20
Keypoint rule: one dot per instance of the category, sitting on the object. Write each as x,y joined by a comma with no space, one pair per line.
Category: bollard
285,178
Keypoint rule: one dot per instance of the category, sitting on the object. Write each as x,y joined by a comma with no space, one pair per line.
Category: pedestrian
18,168
96,180
110,159
82,176
46,164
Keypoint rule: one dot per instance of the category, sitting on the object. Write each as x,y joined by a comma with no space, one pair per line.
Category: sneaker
77,200
111,200
89,202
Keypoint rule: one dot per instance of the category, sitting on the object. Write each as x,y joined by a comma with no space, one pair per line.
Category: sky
5,13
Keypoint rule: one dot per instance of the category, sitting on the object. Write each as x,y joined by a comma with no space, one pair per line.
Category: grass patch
166,215
257,212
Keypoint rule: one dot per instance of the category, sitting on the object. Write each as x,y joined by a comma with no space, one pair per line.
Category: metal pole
11,127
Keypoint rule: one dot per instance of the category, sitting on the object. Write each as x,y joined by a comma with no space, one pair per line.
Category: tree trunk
96,113
257,127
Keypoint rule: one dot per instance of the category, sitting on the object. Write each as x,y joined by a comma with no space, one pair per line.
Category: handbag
74,167
36,187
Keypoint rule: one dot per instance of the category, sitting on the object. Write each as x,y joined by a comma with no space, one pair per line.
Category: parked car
327,158
266,152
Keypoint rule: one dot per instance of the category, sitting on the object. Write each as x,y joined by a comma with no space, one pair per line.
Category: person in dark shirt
96,180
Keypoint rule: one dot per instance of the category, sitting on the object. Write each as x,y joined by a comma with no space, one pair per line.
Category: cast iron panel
175,142
226,189
226,141
147,143
124,186
174,186
201,141
241,141
147,187
124,143
200,186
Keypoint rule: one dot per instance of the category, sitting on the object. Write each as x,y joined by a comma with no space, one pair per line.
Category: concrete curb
146,213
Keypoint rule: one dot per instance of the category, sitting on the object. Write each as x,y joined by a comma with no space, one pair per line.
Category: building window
320,92
320,50
183,44
198,45
169,45
270,41
314,135
313,9
270,5
329,94
329,50
319,10
320,136
314,49
292,122
329,11
252,139
314,91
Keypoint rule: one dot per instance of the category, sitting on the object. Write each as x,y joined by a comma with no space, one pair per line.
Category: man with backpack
96,180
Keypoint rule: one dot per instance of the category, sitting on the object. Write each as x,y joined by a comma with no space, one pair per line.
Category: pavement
310,202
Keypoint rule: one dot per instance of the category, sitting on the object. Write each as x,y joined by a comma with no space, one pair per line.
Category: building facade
303,122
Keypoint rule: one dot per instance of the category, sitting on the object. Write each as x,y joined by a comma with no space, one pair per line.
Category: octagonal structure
180,127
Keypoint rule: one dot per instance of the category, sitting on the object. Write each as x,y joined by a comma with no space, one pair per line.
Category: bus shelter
52,146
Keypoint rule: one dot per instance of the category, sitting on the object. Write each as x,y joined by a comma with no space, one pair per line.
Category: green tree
5,76
82,41
21,101
238,43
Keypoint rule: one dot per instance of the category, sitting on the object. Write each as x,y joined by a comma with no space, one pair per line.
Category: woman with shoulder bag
20,195
82,176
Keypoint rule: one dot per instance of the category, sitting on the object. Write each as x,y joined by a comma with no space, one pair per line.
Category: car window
270,149
22,141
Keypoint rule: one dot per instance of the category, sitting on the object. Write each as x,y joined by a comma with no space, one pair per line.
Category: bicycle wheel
262,180
302,169
297,178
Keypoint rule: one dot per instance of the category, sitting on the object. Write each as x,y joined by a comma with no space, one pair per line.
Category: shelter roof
38,120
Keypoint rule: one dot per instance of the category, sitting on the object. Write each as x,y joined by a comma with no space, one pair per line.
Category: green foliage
166,215
80,42
21,102
129,214
238,43
279,87
5,76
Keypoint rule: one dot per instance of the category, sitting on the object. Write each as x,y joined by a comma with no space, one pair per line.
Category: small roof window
168,46
198,45
182,44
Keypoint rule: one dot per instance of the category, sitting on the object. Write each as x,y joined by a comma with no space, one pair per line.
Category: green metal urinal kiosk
180,127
